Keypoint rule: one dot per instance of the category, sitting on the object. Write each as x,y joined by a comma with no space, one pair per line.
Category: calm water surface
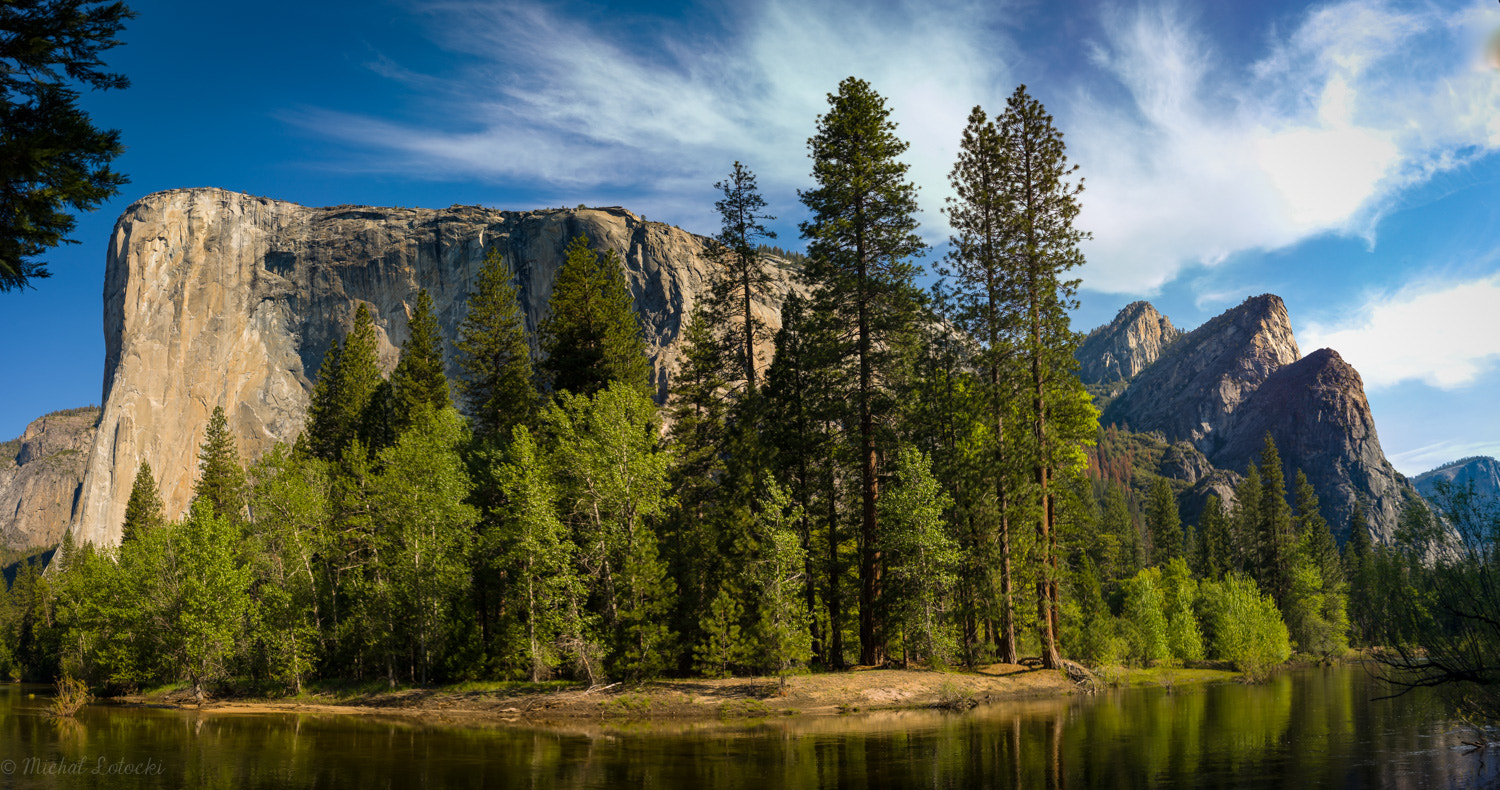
1305,729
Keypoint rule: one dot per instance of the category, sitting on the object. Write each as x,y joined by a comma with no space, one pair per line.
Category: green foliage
418,379
1179,597
1215,542
143,511
1145,617
494,355
742,277
591,336
1244,627
531,542
614,486
54,159
921,557
782,632
1164,524
221,479
724,645
346,401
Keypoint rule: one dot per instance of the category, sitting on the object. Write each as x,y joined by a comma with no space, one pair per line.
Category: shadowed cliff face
1315,410
1228,383
40,475
216,298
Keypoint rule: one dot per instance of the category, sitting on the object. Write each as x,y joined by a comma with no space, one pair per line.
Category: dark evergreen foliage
53,161
591,336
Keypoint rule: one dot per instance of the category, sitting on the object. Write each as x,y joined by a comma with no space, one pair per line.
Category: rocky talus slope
1227,384
216,298
40,475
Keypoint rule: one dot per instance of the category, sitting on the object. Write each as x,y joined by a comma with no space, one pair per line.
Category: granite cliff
216,298
1239,376
1125,346
40,475
1481,473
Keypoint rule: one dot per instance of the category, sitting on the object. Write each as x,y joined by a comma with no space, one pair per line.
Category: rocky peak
1193,390
1316,412
1125,346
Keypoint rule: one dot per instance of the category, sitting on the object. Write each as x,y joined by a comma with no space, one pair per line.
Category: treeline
905,480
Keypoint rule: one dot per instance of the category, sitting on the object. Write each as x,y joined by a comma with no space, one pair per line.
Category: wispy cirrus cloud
1205,158
1190,157
558,100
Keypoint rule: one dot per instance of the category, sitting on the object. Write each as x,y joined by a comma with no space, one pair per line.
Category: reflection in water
1315,728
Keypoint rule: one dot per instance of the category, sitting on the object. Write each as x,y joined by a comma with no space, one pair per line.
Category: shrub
1246,627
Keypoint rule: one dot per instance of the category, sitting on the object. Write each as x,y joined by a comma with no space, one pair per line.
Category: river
1315,728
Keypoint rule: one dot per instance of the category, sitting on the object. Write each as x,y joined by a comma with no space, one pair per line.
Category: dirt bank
821,694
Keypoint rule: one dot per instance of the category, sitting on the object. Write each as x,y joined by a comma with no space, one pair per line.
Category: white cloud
1204,158
558,101
1445,336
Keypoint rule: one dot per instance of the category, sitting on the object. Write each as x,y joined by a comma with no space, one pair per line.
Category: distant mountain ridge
1240,376
1479,471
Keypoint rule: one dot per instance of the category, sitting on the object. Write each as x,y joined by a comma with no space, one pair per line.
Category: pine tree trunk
835,606
871,645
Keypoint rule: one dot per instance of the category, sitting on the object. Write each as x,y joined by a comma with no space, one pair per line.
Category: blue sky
1345,155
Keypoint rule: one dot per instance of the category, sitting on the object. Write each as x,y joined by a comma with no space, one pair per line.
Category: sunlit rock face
41,472
1124,347
217,298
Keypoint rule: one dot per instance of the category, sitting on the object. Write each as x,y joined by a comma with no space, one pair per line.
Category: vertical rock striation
216,298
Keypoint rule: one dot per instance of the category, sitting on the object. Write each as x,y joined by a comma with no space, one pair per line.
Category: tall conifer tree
1043,202
494,355
418,379
349,381
861,238
144,511
591,335
985,301
221,479
1275,537
742,276
1164,523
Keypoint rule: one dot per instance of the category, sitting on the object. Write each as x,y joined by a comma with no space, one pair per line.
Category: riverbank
819,694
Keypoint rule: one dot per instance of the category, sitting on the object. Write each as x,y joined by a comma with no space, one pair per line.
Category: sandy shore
822,694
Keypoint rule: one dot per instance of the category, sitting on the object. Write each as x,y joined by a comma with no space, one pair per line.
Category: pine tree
985,302
591,335
1247,495
743,276
805,390
861,235
1164,523
144,510
494,355
783,628
1359,569
1043,206
534,547
723,645
698,440
418,379
1217,554
1275,538
221,479
922,557
346,401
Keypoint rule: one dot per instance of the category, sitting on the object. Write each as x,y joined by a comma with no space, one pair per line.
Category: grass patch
745,709
628,706
512,686
952,696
